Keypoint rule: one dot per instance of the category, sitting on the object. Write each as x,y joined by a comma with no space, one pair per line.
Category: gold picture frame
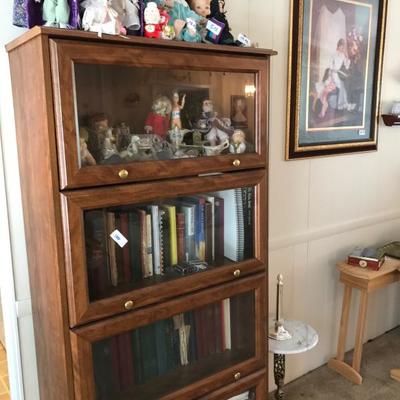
334,76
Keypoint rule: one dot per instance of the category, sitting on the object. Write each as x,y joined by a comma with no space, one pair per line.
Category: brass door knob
129,305
236,163
237,376
236,273
123,173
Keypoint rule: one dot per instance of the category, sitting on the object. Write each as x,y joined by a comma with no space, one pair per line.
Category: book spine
161,238
201,229
190,246
97,258
149,241
124,229
143,242
208,256
240,224
180,222
111,249
135,245
173,234
226,306
156,239
219,230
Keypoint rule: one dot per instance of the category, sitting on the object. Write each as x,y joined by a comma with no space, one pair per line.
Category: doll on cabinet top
191,21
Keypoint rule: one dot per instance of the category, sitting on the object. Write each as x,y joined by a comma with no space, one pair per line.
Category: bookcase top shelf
57,33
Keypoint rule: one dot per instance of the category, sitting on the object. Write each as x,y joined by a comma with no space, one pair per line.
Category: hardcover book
366,257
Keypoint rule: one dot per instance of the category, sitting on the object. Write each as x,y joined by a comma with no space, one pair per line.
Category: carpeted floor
379,356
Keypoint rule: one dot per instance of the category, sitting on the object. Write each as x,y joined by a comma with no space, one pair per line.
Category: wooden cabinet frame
42,82
82,338
73,204
257,381
64,54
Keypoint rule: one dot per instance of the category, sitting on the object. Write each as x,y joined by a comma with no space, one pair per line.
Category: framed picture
239,111
336,50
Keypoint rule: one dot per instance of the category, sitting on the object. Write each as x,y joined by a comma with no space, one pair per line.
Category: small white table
304,338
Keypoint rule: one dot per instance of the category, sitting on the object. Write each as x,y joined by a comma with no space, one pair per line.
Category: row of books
137,357
128,244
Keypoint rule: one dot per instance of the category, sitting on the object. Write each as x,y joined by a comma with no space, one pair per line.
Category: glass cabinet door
168,350
129,246
141,112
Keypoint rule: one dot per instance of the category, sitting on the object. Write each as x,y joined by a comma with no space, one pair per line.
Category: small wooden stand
395,374
390,119
366,281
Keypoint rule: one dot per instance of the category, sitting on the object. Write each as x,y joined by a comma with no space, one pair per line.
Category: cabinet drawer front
252,387
177,236
131,113
181,349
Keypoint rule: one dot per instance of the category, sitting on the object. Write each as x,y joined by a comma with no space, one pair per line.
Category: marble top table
304,338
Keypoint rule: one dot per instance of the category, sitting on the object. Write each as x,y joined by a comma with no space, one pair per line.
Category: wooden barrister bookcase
146,222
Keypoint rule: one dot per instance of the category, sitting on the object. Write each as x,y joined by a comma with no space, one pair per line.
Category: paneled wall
319,209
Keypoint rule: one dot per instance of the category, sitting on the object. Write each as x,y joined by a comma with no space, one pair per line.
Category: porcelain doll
86,157
218,129
201,7
158,120
100,17
187,24
218,12
56,13
176,110
238,142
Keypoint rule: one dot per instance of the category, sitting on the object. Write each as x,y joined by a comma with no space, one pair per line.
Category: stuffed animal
152,21
100,17
56,13
187,24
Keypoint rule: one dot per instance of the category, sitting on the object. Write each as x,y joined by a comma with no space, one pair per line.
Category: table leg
279,375
344,322
360,330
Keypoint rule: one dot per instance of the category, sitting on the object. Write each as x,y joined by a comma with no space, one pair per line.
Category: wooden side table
366,281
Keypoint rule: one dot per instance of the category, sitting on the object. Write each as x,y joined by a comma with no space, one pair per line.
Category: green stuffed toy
56,13
186,22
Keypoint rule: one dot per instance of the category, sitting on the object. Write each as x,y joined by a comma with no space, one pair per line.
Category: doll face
175,97
238,137
201,7
208,106
101,126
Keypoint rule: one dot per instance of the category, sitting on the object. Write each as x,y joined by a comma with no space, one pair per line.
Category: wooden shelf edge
138,40
390,119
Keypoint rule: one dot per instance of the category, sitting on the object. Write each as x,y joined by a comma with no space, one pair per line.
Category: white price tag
213,27
119,238
244,40
191,23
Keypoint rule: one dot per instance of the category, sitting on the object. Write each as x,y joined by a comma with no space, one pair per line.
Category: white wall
319,209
